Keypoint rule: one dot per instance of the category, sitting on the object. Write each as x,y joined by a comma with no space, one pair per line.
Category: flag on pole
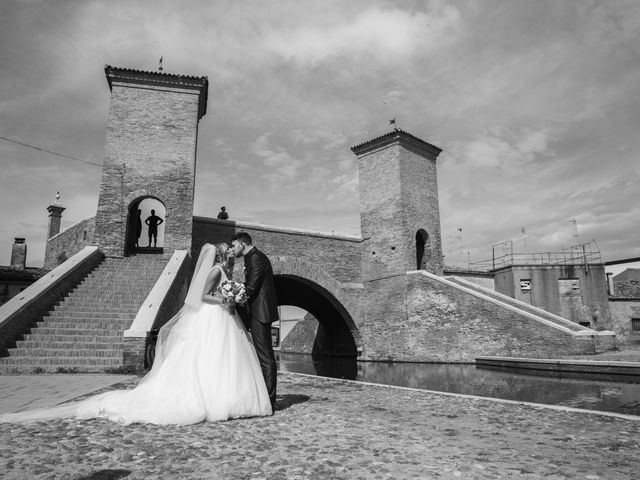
160,66
392,121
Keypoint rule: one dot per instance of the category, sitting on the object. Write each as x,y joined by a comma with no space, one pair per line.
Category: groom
261,310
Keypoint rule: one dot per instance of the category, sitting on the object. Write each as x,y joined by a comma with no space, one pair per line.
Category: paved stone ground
27,392
623,354
334,429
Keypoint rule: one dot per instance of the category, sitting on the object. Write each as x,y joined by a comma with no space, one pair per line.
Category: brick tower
399,209
150,152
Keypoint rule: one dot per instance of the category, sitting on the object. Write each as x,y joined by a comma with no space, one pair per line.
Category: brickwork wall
338,256
69,242
383,322
420,209
448,324
133,351
21,323
621,313
381,219
153,131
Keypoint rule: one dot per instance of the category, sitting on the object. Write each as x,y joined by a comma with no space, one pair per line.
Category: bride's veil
173,332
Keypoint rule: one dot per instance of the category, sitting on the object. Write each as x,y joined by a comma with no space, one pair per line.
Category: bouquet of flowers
233,292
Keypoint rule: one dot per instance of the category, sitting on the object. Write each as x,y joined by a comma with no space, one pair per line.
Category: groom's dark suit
260,312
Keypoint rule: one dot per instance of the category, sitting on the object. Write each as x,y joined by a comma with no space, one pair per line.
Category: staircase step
96,324
99,304
65,352
58,360
97,344
80,331
84,331
92,313
39,337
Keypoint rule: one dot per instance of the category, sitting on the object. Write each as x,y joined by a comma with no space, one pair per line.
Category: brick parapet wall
14,326
337,255
69,242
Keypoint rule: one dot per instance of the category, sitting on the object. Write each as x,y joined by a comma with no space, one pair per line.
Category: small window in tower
635,324
84,235
373,253
393,248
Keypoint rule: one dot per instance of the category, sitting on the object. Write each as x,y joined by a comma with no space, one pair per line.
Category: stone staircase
84,331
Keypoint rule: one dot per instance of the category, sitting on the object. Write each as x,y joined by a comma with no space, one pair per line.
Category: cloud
386,34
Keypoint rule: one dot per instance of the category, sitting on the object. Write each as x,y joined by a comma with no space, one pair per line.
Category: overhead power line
51,152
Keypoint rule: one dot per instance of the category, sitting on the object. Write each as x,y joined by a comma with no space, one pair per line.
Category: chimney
55,216
19,254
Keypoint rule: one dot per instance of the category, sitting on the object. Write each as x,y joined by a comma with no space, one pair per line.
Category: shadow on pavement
285,401
109,474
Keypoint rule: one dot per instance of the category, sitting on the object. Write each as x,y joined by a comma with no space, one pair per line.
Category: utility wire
49,151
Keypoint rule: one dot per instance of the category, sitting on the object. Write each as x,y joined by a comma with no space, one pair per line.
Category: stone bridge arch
308,286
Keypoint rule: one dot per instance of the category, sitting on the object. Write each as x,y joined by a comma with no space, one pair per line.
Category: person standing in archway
138,228
153,221
261,310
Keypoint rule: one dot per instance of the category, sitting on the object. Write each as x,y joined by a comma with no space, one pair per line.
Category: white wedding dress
206,368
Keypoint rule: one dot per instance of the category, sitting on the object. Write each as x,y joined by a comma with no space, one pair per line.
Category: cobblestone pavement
335,429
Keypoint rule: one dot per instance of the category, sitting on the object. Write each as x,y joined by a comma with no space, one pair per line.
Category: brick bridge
381,296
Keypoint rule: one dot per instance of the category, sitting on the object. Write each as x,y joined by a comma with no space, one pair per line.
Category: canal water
600,394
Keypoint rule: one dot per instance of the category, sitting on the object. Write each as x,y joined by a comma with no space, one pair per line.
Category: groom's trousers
261,335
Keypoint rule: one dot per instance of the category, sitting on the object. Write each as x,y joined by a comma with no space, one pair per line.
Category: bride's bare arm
210,286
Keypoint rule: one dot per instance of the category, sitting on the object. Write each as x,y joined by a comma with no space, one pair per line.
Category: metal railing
583,254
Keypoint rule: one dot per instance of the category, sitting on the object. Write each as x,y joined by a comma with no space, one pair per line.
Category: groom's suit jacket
260,288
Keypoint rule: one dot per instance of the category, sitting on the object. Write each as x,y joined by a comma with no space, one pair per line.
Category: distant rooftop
128,75
397,136
29,274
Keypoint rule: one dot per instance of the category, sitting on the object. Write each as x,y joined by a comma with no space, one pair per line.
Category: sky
535,104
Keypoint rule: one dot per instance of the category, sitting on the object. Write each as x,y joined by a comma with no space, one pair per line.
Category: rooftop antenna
524,236
573,227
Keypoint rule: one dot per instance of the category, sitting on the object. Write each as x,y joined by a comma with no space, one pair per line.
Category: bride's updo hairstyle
222,254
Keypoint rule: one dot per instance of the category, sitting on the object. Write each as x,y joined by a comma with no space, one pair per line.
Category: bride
205,366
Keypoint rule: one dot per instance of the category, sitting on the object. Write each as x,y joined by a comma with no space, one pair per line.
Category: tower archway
146,218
